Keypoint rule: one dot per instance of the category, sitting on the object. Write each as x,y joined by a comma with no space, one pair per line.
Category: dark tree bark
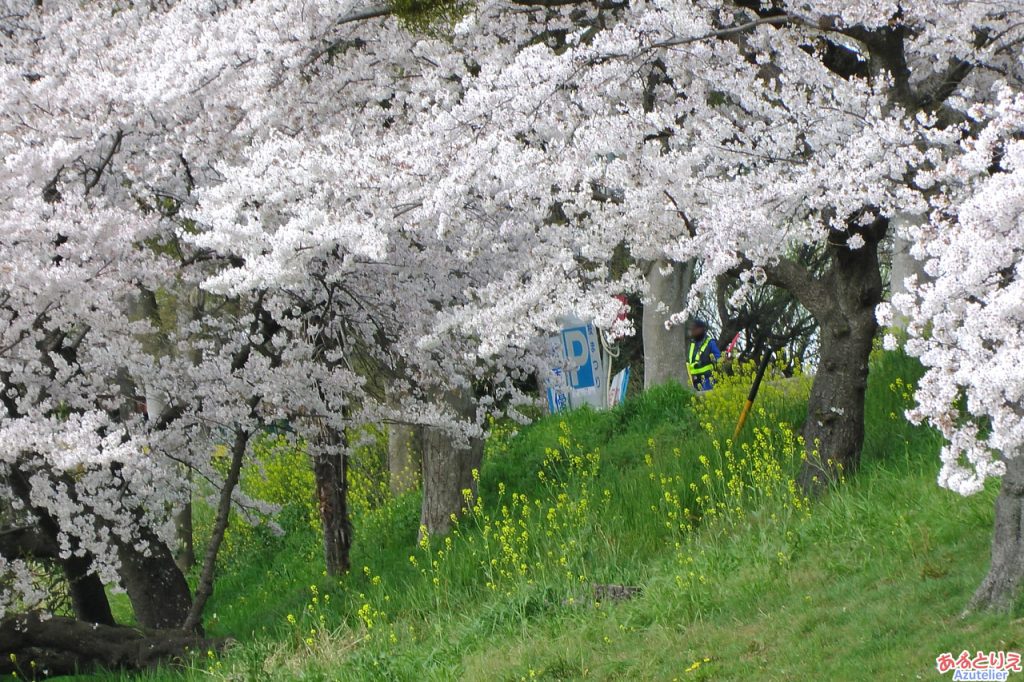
65,646
156,586
834,431
448,468
843,302
28,542
1001,586
330,469
193,622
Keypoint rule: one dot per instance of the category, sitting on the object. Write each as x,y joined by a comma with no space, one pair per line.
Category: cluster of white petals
966,322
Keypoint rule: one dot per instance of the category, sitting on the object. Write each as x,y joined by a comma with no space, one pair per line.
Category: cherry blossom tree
107,143
965,325
737,133
94,177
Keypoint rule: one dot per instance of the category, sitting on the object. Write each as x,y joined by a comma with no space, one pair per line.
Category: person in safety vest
701,356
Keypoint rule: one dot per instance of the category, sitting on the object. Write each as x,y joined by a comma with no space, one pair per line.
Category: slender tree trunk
665,349
205,587
1001,587
903,264
834,431
185,554
330,468
448,469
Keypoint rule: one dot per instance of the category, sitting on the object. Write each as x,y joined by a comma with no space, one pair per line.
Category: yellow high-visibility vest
694,358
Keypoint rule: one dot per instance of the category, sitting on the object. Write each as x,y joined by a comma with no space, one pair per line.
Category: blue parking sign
577,348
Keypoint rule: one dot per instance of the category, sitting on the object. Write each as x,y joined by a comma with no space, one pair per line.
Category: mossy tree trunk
448,468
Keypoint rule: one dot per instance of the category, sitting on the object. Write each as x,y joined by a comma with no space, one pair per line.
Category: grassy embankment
741,578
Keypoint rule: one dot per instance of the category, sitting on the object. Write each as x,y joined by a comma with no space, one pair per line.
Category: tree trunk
205,587
403,458
448,468
156,586
903,264
64,646
1000,588
88,597
834,431
184,552
330,470
665,349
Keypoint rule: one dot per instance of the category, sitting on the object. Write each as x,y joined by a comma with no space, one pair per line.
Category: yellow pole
743,419
761,368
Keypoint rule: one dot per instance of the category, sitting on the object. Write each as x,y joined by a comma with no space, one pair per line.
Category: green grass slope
739,577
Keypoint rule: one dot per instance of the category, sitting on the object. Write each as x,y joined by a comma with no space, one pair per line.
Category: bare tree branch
98,172
778,20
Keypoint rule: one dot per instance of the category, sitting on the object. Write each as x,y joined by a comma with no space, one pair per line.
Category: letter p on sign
576,345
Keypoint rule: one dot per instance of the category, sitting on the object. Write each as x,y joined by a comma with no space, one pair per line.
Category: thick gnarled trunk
843,302
64,646
834,431
665,349
88,596
1001,586
155,585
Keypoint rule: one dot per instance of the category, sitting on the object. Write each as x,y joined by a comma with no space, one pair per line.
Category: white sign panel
618,387
577,368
